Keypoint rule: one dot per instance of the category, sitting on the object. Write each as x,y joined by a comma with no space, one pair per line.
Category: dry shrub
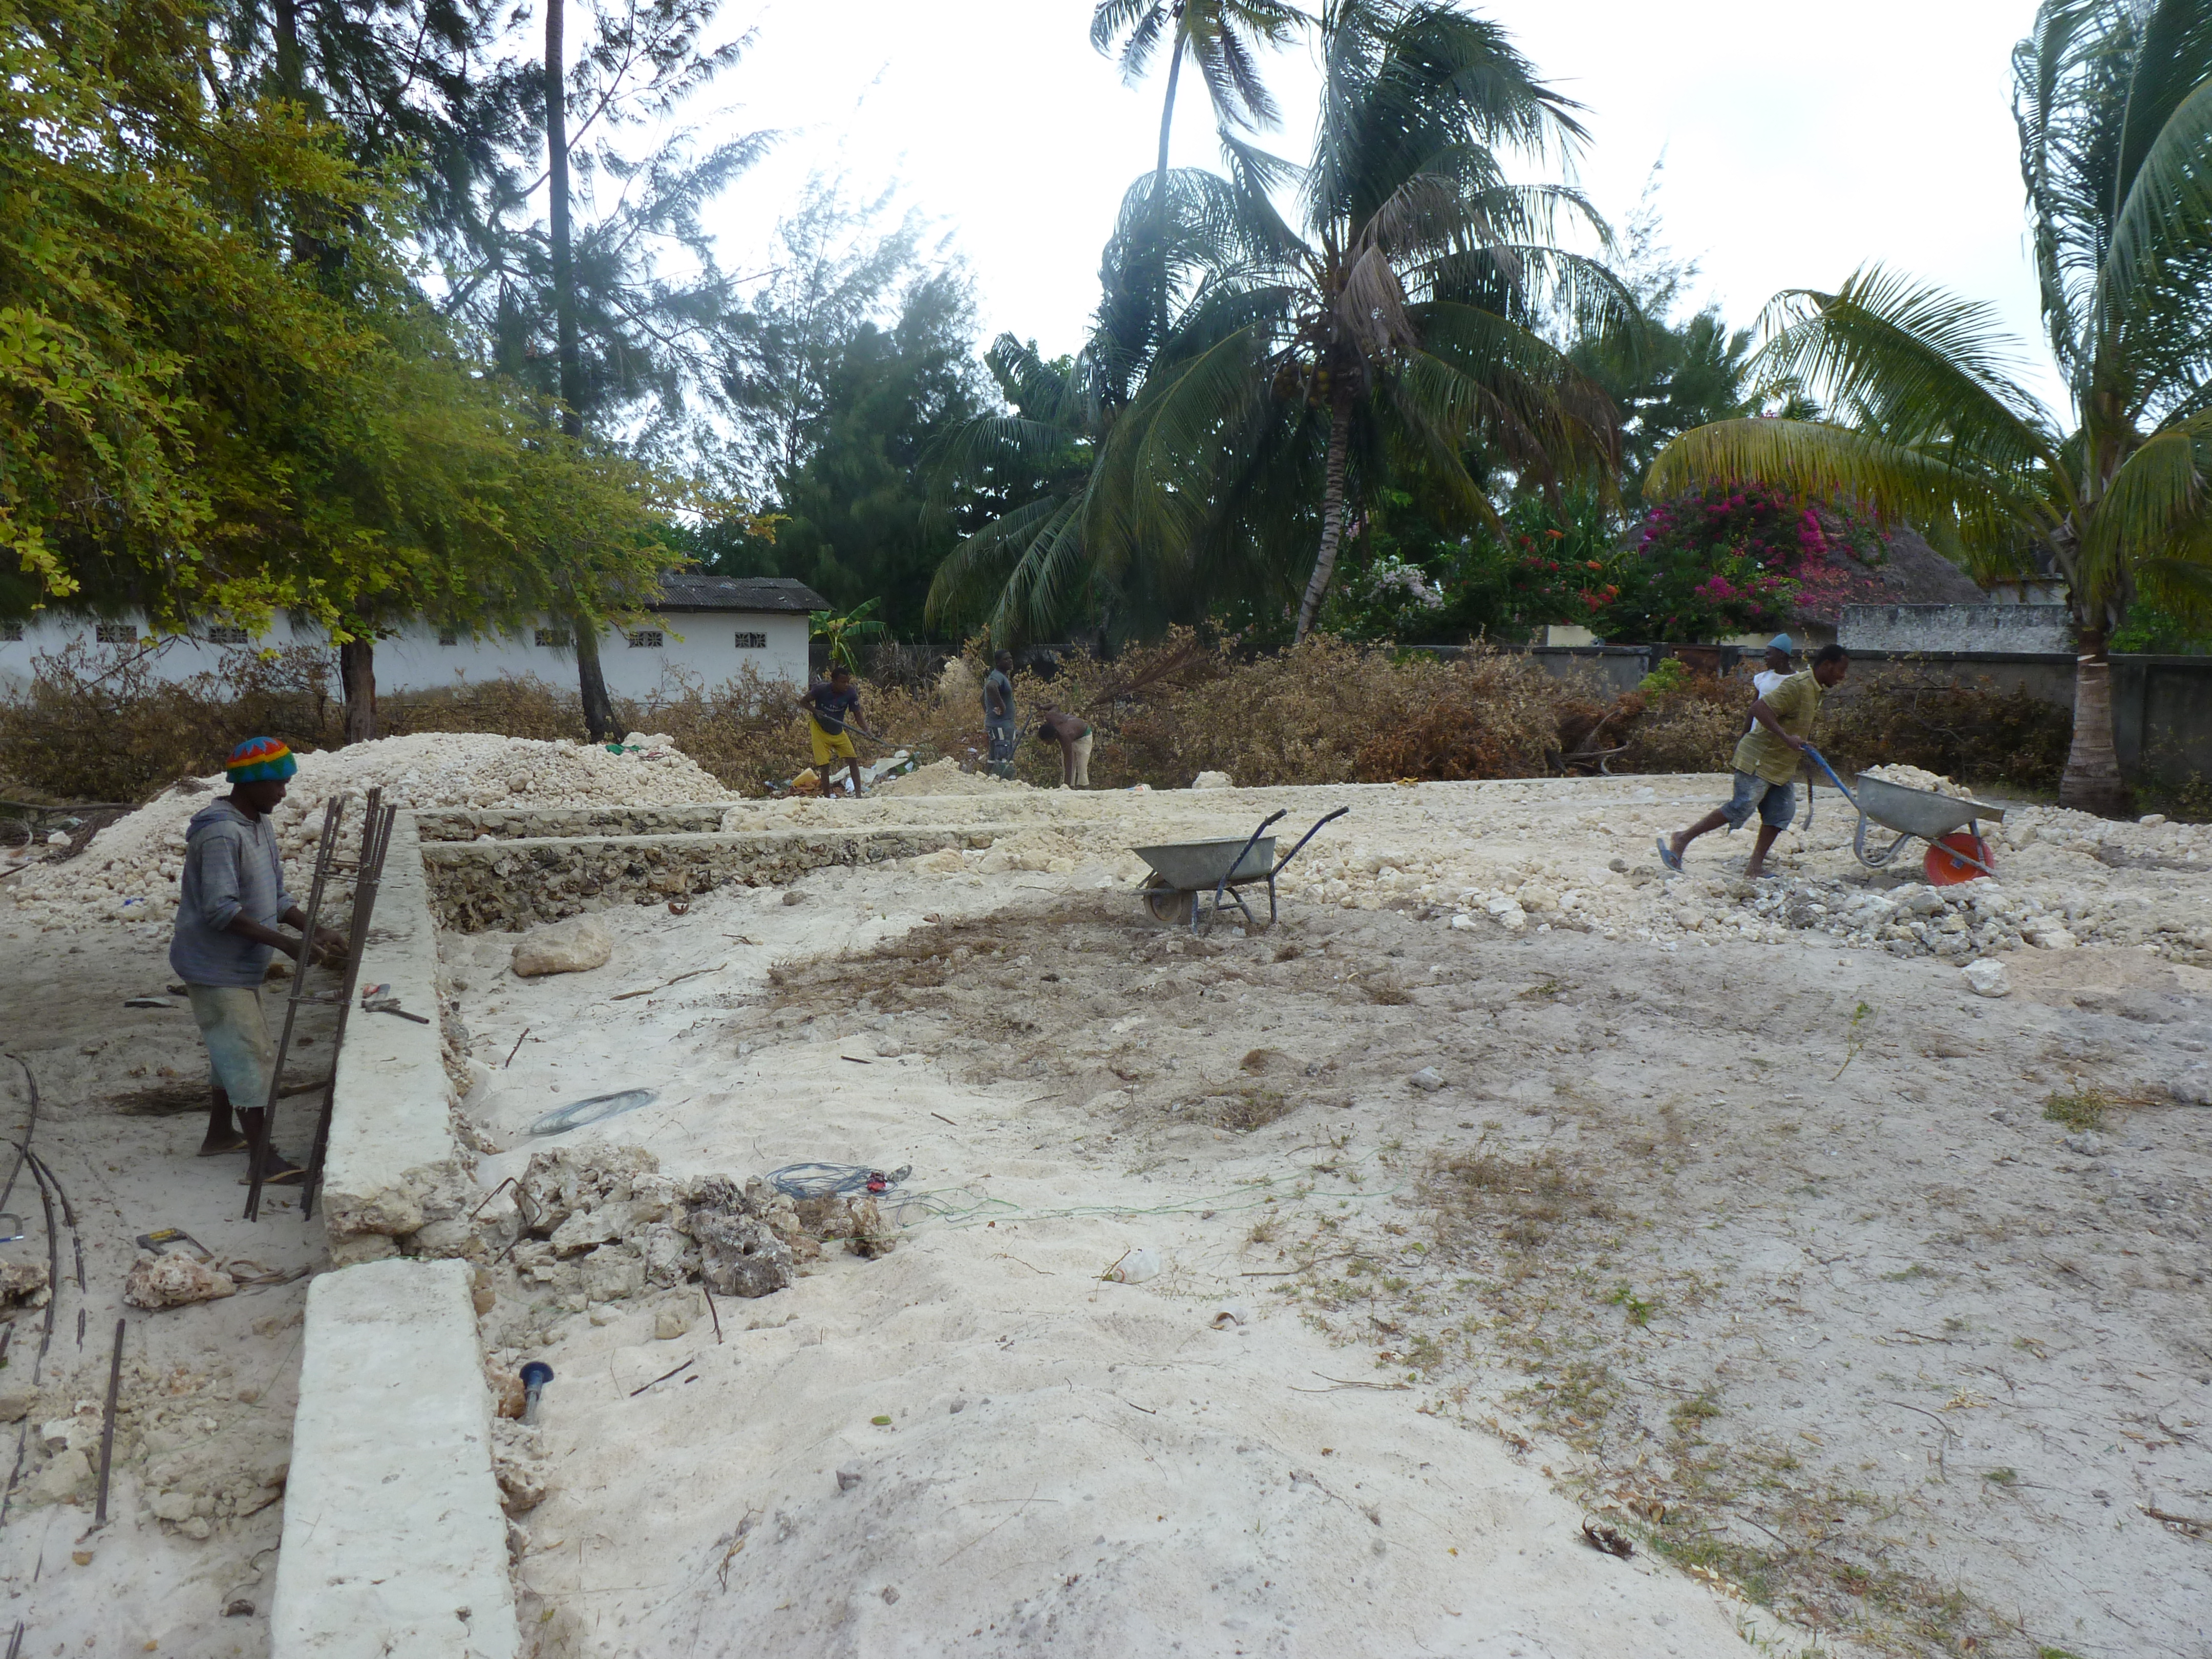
1480,1197
1692,729
100,727
1323,712
1918,714
1249,1107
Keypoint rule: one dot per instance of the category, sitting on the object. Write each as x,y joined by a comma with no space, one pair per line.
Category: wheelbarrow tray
1921,812
1191,866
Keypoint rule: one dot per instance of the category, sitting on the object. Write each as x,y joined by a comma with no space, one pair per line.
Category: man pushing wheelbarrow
1766,761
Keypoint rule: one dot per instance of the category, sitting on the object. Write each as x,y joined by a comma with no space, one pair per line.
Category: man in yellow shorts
828,704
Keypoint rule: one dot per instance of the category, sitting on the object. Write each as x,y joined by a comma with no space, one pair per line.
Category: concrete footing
394,1541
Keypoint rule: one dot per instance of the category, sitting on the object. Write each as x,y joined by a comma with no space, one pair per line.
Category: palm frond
1923,366
2153,278
2159,492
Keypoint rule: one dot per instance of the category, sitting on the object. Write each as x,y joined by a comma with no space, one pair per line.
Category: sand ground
1765,1252
208,1391
1759,1249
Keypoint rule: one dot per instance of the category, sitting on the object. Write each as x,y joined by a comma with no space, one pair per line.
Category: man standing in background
1777,665
999,715
829,704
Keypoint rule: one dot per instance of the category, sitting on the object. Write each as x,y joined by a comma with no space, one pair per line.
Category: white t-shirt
1766,679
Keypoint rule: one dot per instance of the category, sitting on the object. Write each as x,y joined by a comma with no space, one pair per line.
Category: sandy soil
1761,1248
207,1390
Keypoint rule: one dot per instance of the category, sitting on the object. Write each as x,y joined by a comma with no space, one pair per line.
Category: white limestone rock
574,946
1987,978
172,1281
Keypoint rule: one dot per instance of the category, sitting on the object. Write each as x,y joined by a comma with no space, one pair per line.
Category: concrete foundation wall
394,1541
478,886
464,823
394,1168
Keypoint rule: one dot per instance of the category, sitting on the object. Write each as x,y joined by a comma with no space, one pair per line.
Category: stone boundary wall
1957,628
478,886
466,824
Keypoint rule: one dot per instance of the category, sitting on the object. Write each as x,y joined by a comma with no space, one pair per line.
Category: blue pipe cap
537,1373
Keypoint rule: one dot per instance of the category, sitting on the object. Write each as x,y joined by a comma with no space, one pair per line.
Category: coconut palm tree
1030,570
1394,312
1222,39
1928,419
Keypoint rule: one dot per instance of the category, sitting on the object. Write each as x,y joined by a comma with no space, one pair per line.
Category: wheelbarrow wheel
1949,860
1168,906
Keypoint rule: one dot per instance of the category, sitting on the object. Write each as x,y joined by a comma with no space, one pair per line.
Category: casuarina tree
1930,417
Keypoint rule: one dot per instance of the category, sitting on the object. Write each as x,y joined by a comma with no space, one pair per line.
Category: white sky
1801,141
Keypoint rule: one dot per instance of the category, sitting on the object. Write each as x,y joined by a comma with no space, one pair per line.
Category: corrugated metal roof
691,590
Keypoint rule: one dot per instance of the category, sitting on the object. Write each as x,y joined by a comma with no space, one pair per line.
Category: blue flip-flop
1669,856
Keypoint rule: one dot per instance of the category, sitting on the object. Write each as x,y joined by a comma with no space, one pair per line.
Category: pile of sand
128,871
945,777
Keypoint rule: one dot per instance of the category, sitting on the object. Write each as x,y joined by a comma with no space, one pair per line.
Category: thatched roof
1911,573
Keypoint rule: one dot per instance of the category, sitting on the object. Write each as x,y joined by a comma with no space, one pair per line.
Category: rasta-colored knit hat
259,760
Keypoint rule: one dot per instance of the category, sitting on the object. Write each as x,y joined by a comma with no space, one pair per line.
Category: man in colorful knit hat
231,903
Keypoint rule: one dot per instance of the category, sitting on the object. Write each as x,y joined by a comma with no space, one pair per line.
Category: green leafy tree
219,394
1399,315
1046,561
844,366
841,635
2114,104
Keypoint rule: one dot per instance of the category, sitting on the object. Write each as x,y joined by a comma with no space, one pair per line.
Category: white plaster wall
698,643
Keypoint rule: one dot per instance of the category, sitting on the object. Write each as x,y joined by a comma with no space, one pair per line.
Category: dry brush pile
1324,712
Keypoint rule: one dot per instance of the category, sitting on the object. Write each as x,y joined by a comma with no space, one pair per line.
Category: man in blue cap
1777,665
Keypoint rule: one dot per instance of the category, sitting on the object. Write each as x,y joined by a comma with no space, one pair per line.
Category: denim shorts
1775,803
240,1054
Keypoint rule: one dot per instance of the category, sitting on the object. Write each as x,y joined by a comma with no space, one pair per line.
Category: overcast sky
1800,142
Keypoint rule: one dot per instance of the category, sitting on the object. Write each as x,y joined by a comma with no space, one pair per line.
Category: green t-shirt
1794,703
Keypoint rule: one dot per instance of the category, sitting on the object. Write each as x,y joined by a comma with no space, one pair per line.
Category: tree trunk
598,709
291,68
2092,781
1332,511
357,679
1160,177
591,682
556,173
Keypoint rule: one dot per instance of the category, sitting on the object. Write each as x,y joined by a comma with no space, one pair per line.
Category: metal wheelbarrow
1193,881
1951,827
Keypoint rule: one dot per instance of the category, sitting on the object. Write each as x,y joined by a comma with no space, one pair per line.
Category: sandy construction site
1507,1191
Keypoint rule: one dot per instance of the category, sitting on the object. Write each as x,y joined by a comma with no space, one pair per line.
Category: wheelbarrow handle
1306,837
1249,844
1222,886
1830,771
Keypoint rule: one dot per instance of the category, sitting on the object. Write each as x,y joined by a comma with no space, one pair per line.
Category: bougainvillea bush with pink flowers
1715,562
